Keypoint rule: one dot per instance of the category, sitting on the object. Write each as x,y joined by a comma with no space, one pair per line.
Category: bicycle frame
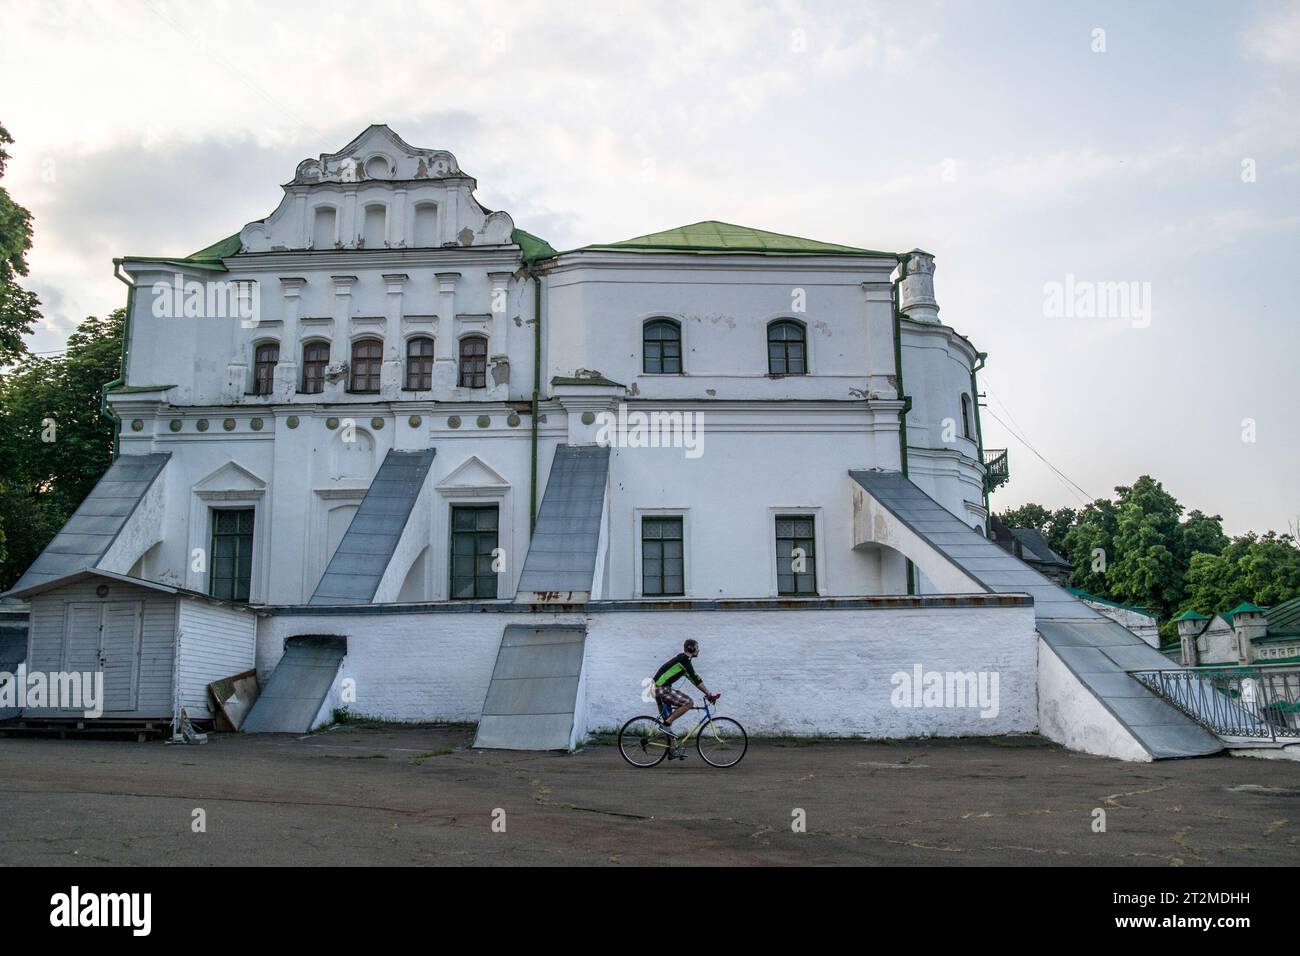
708,716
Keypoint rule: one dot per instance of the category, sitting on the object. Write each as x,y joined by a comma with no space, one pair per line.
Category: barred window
796,555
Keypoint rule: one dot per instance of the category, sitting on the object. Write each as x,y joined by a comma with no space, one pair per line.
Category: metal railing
1248,701
997,468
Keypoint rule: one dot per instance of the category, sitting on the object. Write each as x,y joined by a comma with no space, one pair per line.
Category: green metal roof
1245,607
208,258
533,247
1284,618
1144,611
722,238
1191,616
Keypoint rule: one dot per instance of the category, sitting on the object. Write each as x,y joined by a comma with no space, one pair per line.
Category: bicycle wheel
643,742
722,742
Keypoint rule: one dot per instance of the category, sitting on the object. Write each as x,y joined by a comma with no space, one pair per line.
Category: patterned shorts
673,698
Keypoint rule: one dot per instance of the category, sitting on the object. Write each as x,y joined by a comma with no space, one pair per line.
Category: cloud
1275,38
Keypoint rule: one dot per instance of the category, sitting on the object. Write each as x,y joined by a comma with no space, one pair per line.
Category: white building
353,412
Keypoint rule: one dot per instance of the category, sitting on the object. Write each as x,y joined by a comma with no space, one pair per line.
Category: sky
1045,153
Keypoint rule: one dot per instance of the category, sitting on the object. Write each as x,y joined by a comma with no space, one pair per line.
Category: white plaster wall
1071,715
1143,626
780,671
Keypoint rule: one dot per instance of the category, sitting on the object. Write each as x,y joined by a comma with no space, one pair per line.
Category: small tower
1190,624
1248,623
916,288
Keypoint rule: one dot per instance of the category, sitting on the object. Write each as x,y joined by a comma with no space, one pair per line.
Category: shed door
120,654
105,637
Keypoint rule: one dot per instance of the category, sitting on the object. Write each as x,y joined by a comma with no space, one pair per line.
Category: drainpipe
537,387
907,401
979,431
104,408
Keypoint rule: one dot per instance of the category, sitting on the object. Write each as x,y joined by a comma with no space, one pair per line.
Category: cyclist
668,673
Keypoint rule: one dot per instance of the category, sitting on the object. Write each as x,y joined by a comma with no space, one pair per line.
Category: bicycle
644,740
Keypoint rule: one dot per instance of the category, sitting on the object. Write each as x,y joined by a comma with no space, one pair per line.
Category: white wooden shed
157,646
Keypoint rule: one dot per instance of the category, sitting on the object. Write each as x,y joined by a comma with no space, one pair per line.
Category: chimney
916,289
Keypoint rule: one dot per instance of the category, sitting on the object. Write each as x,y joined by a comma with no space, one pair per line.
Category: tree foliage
1140,548
58,443
19,308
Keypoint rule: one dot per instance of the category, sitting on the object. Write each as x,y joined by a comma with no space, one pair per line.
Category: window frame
213,534
818,548
784,323
310,363
644,518
661,322
477,578
426,373
378,365
263,369
475,373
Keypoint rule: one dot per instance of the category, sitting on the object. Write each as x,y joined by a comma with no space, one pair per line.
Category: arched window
662,347
473,362
967,429
419,363
367,360
264,360
786,348
315,358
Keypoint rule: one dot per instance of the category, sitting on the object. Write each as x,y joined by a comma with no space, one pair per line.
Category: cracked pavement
421,796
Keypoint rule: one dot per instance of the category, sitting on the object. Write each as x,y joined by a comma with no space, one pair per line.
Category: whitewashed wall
799,671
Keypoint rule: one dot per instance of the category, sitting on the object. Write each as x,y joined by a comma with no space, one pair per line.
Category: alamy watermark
1086,299
947,690
183,298
659,429
63,690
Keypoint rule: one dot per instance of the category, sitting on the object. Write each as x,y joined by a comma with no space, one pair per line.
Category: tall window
473,362
662,567
322,231
375,226
419,363
232,553
473,539
966,429
264,360
662,347
367,360
315,358
786,349
796,555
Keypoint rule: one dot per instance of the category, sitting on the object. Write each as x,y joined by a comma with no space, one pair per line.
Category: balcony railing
997,468
1259,702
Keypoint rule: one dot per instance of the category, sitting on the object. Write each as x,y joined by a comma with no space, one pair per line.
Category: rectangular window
473,541
662,564
232,553
796,555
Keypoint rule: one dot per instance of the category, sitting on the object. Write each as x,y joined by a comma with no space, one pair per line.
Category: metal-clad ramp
533,696
562,551
293,699
362,557
1098,651
101,516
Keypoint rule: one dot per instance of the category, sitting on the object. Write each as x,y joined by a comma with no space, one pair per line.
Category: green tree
1144,569
58,442
19,308
1263,569
1089,546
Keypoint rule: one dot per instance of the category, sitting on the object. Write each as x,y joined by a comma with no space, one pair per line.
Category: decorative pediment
472,474
378,153
230,477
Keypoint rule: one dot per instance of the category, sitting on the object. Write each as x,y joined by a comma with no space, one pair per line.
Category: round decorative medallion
292,421
201,424
331,423
136,424
376,423
228,424
174,424
453,421
588,417
512,420
414,421
256,423
483,421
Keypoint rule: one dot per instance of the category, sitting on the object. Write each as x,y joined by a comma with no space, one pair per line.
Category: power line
1069,483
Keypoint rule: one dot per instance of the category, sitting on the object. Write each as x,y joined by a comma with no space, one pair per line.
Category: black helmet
691,646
